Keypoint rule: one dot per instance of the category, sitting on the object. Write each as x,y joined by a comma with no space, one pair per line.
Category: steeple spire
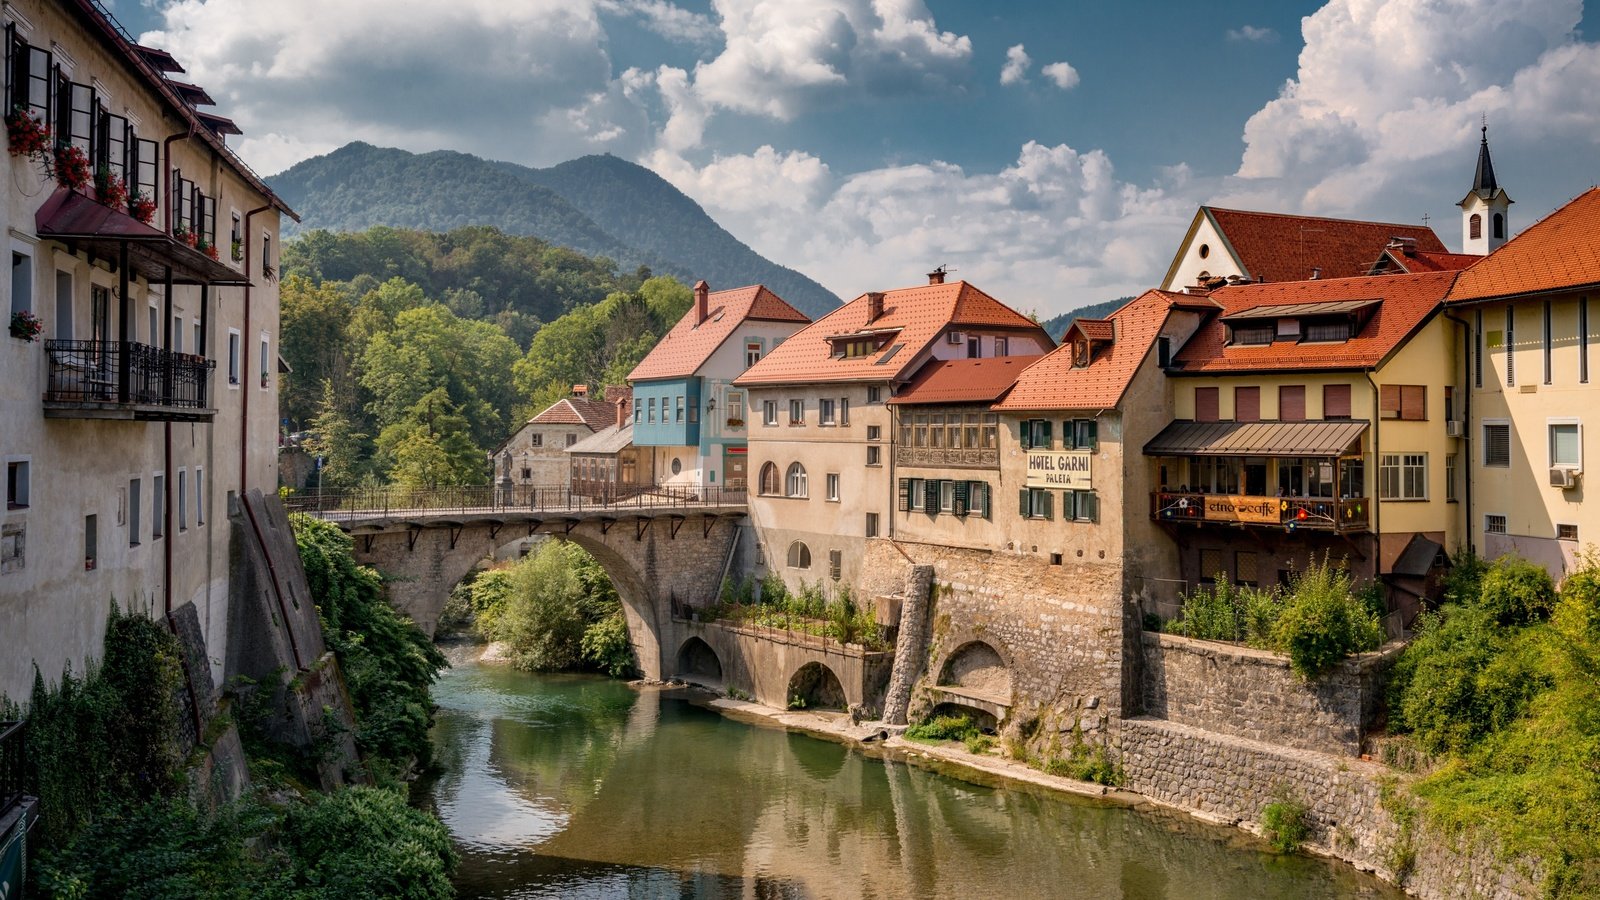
1483,183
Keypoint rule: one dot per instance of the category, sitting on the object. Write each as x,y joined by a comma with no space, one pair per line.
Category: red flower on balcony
206,247
26,136
109,188
71,167
142,208
26,325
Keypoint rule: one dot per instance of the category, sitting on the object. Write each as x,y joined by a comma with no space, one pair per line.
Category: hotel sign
1250,510
1061,469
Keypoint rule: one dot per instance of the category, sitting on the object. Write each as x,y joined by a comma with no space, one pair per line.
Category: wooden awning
83,224
1317,438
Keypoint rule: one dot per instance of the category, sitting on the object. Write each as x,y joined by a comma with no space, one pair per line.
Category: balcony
126,380
1323,514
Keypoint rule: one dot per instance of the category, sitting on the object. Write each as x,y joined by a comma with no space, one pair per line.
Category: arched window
796,480
1475,227
799,556
1499,226
769,479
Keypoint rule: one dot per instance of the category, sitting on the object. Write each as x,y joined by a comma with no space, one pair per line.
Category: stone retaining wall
1254,694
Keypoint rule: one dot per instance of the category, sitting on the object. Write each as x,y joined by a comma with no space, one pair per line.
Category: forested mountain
1058,325
597,205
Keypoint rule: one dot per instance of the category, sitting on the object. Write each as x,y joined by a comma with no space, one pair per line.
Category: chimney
622,412
874,306
702,301
1316,273
580,391
936,276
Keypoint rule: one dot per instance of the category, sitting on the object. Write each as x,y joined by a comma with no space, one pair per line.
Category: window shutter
17,51
1205,404
1046,439
1027,434
905,495
960,504
1089,437
1069,439
1388,401
1336,401
1292,403
1069,506
1089,506
1049,504
930,494
1247,404
1023,502
1413,402
978,498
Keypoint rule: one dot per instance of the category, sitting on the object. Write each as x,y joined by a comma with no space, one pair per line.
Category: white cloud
1062,74
1015,71
1253,34
667,20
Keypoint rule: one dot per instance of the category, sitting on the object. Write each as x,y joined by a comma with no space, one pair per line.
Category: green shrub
1323,621
1284,822
943,728
1211,614
978,743
1517,592
556,609
491,594
773,591
607,648
1463,582
367,842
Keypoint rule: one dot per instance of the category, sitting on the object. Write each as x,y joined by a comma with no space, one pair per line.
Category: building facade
148,398
536,455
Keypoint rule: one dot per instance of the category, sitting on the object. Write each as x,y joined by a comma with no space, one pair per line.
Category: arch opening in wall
697,661
799,555
815,686
795,481
1474,227
982,718
769,485
977,668
1498,226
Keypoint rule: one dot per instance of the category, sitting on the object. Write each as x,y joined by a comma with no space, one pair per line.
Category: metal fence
388,502
126,372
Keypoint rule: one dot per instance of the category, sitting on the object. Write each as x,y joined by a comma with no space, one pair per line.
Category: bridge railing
389,502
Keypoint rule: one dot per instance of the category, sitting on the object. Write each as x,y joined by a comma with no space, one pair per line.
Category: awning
72,218
1295,310
1316,438
1418,558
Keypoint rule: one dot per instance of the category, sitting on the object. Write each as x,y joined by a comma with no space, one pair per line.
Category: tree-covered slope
1058,325
598,205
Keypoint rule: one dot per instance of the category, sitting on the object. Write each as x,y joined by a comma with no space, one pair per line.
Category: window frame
831,488
1484,427
1408,469
797,411
1489,523
796,483
799,556
1551,425
769,413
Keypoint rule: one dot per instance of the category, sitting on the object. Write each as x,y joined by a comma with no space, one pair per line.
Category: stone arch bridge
662,547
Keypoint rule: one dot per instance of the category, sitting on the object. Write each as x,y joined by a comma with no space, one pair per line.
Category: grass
1284,822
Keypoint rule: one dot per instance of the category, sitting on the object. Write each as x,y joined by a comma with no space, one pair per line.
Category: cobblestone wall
1254,694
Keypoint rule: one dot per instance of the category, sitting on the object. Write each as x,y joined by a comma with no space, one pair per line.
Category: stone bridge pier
654,558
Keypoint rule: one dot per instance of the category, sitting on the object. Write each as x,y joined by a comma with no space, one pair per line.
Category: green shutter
980,489
905,494
1069,505
930,496
1067,434
1089,505
1045,439
960,505
1091,439
1025,435
1024,502
1049,505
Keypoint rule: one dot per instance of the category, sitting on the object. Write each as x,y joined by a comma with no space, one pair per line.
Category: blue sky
1051,152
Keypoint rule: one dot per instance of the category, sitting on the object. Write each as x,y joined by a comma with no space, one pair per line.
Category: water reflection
566,786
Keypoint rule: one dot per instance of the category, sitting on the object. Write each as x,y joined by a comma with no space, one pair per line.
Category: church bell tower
1485,223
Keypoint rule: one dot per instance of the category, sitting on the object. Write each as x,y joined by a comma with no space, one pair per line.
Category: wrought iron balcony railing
1348,514
126,379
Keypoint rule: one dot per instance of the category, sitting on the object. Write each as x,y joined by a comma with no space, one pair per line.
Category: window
1583,340
236,239
1080,506
64,306
1337,330
1254,334
1080,434
1213,567
199,496
769,480
677,466
650,411
1566,447
769,412
1245,568
835,564
1035,433
1511,346
1403,476
797,412
912,496
1546,336
1494,523
1292,403
799,556
752,353
825,412
874,394
91,542
1037,503
872,525
535,440
795,480
1450,477
844,410
874,432
1449,403
677,410
1164,351
233,357
158,506
183,500
1498,226
1474,227
266,365
833,486
266,255
135,525
1206,404
1336,401
1247,404
874,455
571,439
947,496
1403,401
1497,444
978,499
21,283
17,484
1566,532
1477,349
199,339
1002,346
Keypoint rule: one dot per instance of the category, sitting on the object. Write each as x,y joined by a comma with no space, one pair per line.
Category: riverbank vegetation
1502,689
1319,619
770,604
555,610
119,816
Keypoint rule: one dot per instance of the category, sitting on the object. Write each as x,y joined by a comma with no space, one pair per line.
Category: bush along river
578,786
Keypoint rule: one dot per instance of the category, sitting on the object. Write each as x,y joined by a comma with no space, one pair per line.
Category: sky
1052,153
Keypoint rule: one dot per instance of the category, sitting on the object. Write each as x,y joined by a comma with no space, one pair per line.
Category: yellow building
1525,310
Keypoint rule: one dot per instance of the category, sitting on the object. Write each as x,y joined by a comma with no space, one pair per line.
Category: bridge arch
697,660
816,686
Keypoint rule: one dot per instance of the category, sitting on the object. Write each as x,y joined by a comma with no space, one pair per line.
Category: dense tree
338,441
430,348
432,446
314,320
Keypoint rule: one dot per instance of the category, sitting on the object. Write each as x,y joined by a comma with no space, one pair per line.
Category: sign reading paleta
1063,469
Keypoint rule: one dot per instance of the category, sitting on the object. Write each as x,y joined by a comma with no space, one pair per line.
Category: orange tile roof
596,414
963,380
1093,329
1559,252
1054,383
1279,247
918,314
689,343
1405,303
1423,261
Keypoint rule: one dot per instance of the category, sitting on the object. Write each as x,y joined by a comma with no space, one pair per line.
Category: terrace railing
396,502
103,375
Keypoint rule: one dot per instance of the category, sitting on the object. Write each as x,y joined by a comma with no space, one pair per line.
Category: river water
577,786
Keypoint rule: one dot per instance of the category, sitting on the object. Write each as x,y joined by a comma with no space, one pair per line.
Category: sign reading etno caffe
1061,469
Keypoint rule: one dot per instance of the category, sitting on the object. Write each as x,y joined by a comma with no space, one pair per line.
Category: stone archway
976,667
697,661
816,687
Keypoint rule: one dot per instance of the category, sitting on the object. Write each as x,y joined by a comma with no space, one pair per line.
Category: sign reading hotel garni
1063,469
1254,510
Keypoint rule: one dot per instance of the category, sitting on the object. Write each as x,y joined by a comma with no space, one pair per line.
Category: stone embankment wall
1255,694
763,662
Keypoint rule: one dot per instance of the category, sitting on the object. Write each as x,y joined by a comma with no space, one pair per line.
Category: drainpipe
244,358
1375,499
1464,458
166,172
894,484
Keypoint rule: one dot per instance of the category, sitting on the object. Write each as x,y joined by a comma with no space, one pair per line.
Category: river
576,786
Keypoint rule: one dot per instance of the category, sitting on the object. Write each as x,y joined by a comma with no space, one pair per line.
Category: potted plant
205,246
142,208
26,135
735,422
71,166
238,250
109,188
26,325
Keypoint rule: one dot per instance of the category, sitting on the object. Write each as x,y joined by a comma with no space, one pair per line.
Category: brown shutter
1414,402
1247,404
1336,401
1292,403
1389,401
1205,404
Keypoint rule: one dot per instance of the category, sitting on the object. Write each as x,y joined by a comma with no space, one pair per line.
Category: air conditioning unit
957,337
1564,478
1454,428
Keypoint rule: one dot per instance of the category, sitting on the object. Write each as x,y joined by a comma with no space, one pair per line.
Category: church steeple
1484,223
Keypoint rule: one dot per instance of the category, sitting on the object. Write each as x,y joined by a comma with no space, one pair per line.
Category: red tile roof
1279,247
1406,302
917,315
1054,383
1559,252
963,380
1395,261
596,414
1093,329
689,344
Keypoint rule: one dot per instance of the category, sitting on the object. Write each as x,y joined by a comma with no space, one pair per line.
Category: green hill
597,205
1058,325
